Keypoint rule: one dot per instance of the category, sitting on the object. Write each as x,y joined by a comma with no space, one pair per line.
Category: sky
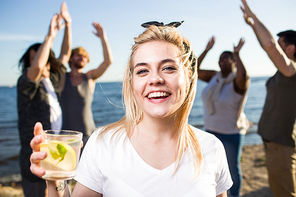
23,23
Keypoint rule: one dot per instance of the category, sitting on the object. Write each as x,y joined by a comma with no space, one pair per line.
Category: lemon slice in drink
60,156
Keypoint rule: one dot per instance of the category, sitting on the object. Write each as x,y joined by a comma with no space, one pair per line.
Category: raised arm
96,73
205,75
67,40
267,42
40,59
242,80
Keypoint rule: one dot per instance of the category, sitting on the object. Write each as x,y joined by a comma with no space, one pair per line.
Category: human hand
240,44
210,43
65,13
37,156
99,30
55,25
248,14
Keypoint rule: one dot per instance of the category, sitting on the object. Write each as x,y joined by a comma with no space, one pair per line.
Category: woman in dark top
38,89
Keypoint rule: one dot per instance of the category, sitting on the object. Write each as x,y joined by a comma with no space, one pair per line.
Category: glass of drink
63,151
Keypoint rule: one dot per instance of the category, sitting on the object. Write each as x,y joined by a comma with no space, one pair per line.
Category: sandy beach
255,183
255,179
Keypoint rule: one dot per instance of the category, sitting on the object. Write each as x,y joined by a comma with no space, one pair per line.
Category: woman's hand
55,25
37,156
240,44
65,13
210,43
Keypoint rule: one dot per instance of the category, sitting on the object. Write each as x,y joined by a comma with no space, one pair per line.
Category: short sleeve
223,177
26,87
88,172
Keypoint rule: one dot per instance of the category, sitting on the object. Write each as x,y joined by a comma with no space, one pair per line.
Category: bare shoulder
91,84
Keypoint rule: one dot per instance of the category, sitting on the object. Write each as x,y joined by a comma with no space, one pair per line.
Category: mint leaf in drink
53,153
62,152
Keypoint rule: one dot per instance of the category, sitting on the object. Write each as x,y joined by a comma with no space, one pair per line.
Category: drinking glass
63,151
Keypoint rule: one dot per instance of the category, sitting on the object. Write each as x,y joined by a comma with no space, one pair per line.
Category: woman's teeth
158,94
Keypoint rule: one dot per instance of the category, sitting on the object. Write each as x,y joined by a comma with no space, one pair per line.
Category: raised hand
248,14
210,43
240,44
55,25
37,156
99,30
65,13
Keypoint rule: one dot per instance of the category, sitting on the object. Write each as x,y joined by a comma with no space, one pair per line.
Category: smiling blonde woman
151,151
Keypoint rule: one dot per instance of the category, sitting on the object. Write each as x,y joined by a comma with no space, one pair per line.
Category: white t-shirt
55,108
224,120
112,167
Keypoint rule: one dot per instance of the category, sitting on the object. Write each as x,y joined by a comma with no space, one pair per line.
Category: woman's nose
155,79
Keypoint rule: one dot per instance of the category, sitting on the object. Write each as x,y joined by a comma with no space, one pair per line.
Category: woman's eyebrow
161,62
140,64
167,61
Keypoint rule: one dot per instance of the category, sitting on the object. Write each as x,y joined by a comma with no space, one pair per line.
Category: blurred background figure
224,98
38,89
77,96
277,123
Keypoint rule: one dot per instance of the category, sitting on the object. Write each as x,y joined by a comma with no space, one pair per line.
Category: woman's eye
142,71
169,68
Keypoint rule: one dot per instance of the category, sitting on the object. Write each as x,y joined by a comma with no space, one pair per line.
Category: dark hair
230,54
55,64
289,38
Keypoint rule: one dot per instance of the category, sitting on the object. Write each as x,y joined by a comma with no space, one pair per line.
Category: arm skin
242,80
40,59
79,190
98,72
205,75
267,42
223,194
67,40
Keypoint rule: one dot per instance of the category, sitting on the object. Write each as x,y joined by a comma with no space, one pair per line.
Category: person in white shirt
151,151
224,98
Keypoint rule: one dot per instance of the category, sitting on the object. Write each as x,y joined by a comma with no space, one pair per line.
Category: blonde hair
133,112
80,51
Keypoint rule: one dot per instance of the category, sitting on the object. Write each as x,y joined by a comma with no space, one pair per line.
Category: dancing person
38,89
151,151
224,98
77,95
277,121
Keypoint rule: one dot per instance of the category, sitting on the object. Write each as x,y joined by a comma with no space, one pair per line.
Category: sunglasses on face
161,24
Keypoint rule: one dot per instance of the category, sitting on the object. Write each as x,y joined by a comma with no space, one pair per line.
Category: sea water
108,107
